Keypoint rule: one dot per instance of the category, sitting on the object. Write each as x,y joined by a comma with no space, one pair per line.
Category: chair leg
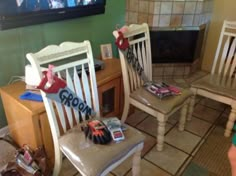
183,115
136,162
230,123
58,163
160,135
191,107
125,111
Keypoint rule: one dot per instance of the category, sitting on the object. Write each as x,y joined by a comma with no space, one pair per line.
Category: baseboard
4,131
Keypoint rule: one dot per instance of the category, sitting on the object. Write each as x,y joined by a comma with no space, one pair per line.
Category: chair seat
220,85
164,105
92,159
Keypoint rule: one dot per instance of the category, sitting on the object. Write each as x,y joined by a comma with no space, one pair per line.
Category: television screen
16,13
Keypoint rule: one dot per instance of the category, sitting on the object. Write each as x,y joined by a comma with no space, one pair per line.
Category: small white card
114,126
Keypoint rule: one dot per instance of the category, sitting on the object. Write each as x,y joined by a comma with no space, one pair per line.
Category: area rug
195,170
211,159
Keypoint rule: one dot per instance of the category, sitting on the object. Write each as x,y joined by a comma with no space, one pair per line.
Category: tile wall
174,70
169,13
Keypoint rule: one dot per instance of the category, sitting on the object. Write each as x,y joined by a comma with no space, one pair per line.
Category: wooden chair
90,159
220,84
135,93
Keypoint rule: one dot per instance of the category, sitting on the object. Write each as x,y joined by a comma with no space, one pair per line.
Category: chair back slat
140,60
233,67
148,55
144,60
142,54
93,82
130,76
224,55
78,90
86,86
60,110
224,62
70,85
230,58
134,73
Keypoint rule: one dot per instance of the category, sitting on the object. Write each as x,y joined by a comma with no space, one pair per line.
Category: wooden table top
111,71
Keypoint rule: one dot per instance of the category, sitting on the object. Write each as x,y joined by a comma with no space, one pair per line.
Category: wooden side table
27,120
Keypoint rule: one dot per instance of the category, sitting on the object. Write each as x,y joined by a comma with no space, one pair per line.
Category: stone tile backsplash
174,70
169,13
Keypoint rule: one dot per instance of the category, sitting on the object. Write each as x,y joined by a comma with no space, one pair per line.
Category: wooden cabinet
27,120
109,98
109,88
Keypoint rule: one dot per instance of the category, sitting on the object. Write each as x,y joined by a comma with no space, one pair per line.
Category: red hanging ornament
122,42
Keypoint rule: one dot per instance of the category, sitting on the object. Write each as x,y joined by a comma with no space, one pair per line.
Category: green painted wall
15,43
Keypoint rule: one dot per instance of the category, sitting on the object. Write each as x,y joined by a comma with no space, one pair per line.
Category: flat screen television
17,13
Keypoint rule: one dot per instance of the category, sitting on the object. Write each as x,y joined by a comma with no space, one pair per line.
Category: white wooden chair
220,85
90,159
135,93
